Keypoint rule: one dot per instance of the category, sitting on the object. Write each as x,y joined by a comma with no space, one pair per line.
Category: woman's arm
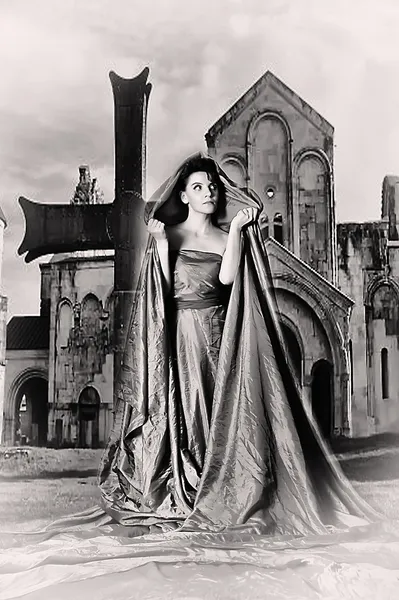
231,256
163,252
157,230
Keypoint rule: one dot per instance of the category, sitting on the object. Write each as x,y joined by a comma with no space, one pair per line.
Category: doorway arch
322,395
29,392
31,413
89,417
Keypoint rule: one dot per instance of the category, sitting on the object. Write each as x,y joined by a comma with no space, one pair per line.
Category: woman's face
201,193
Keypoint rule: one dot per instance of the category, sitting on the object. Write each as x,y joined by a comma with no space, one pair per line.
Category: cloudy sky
56,107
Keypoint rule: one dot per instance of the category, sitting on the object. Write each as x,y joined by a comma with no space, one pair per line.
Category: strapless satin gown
197,318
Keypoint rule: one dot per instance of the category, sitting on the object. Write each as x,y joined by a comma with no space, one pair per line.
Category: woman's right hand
244,217
157,230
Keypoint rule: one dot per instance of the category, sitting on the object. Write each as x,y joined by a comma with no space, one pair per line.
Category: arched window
90,315
64,324
278,227
385,305
235,170
384,373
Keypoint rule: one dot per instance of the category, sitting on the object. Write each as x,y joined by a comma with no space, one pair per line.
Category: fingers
248,215
156,229
155,225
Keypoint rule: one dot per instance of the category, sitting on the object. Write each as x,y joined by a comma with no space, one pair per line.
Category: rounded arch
384,304
64,322
89,394
10,407
376,284
334,334
91,384
320,362
63,301
275,169
267,114
235,168
90,296
315,153
22,378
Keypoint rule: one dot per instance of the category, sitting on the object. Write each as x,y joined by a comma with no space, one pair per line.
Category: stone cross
54,228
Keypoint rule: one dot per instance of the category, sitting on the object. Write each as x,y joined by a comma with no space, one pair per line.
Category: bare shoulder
221,239
223,234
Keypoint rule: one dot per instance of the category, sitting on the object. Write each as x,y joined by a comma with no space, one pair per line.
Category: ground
45,485
41,485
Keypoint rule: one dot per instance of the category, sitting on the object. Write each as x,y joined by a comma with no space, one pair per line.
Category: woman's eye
197,187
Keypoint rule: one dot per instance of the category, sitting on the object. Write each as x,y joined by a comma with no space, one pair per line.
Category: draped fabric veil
266,465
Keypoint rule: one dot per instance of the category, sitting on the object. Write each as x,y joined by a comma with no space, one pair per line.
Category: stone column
346,404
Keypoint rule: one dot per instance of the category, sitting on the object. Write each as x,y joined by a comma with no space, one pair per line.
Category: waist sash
197,303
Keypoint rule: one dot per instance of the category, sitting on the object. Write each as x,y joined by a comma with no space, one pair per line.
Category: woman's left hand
244,217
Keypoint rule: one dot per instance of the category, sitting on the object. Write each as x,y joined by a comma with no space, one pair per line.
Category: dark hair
206,165
173,210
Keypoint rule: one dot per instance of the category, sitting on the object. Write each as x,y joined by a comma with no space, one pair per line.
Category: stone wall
368,273
281,150
81,348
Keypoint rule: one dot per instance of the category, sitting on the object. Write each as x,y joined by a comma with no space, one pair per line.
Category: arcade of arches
30,416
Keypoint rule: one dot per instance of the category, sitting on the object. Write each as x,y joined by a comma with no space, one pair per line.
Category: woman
205,260
211,431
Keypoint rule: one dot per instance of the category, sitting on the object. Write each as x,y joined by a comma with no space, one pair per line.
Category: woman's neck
198,224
